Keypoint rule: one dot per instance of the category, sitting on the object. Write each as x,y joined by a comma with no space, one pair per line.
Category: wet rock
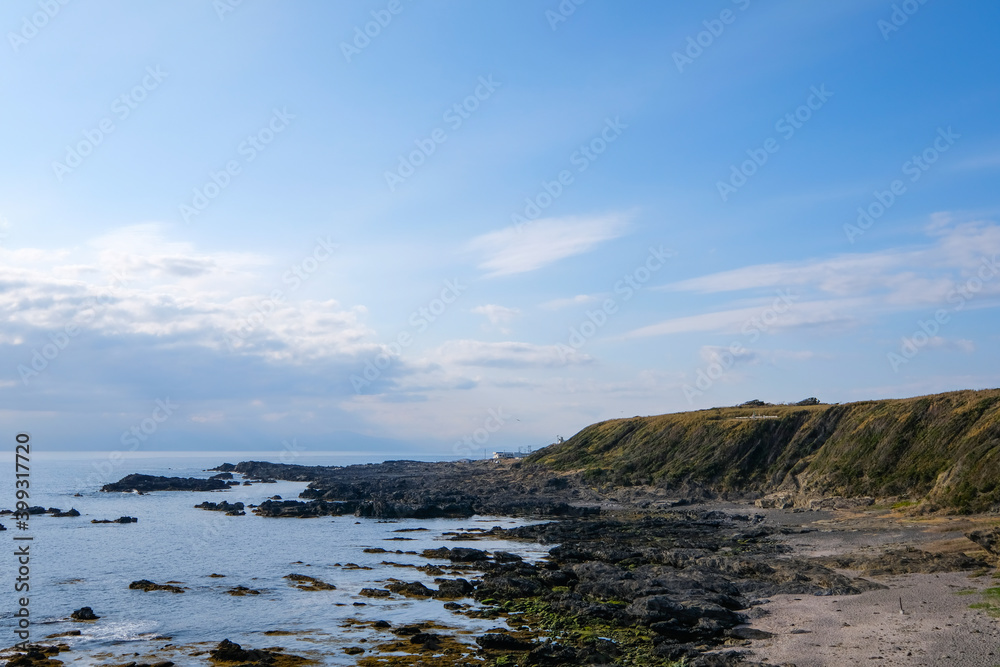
306,583
59,513
146,483
121,519
495,641
449,589
228,651
231,509
375,593
506,557
413,589
147,585
84,614
240,591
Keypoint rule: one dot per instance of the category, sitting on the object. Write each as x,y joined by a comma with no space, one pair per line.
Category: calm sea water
75,563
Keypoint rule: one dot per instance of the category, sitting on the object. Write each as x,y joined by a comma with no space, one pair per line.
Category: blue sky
484,225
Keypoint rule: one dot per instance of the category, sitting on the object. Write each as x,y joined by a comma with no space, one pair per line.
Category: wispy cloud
508,354
578,300
846,289
523,248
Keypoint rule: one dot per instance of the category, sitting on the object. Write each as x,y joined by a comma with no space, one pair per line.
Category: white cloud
137,282
523,248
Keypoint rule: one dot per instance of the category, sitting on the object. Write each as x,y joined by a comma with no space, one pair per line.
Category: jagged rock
121,519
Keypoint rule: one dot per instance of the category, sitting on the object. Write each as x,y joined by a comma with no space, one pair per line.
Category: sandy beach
936,627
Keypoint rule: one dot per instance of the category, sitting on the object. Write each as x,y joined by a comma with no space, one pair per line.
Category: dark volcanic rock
84,614
414,589
228,651
449,589
146,483
222,475
495,641
71,512
121,519
231,509
457,555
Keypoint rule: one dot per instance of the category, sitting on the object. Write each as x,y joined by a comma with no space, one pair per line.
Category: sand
936,628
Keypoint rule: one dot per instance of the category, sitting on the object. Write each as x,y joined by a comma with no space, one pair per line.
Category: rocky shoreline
633,577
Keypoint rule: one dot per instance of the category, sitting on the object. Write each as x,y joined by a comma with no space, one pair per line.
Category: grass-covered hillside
943,448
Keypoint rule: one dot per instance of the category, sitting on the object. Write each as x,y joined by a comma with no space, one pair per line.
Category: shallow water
75,563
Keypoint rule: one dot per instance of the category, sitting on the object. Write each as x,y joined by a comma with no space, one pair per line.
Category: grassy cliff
944,449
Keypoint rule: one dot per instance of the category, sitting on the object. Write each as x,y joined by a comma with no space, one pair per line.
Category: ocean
74,563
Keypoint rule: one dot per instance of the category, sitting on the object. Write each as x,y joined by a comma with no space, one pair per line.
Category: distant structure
500,456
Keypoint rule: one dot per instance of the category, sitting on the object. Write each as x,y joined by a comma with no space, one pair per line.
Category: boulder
84,614
413,589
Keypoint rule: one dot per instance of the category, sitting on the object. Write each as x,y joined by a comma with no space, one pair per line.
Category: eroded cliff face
942,450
